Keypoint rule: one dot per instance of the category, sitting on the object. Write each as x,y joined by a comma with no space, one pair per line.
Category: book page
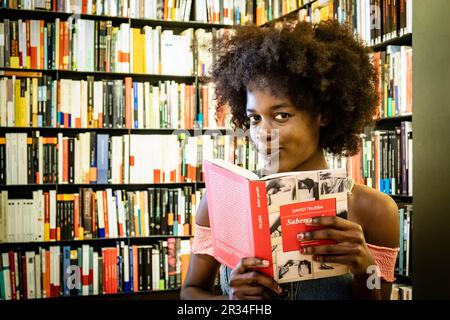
232,240
234,169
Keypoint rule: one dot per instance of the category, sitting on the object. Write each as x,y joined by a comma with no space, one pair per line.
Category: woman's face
286,137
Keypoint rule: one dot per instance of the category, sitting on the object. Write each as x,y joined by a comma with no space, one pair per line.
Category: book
261,217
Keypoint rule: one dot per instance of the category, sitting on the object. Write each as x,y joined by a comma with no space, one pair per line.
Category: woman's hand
350,247
248,284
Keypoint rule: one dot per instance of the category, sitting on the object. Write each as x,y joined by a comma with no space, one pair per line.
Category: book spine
260,223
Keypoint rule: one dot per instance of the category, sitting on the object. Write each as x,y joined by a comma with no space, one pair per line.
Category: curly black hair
321,68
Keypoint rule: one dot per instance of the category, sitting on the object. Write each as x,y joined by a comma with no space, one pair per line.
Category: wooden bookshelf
134,22
405,40
96,242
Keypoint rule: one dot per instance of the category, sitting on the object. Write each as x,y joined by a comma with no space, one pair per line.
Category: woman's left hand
350,247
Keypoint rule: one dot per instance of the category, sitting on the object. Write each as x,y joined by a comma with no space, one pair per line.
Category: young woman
316,88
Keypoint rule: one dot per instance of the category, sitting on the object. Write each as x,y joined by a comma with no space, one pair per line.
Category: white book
19,220
30,274
157,50
83,104
149,67
126,166
147,105
98,99
60,157
6,275
140,93
3,96
75,103
155,269
85,268
156,122
22,42
126,263
124,47
95,279
120,212
11,217
100,212
39,207
88,44
4,216
2,48
112,214
11,175
22,158
53,214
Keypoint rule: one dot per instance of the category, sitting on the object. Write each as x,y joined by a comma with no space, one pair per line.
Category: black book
158,212
71,157
148,268
141,269
164,209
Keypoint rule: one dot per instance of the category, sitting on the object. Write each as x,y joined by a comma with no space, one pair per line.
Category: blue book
66,286
102,163
131,289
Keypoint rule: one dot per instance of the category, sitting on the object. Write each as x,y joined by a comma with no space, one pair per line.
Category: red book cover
293,219
261,217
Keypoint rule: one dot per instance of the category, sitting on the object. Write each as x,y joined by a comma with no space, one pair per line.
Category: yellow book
17,104
34,102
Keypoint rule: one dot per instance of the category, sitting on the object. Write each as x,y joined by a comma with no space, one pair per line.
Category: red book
261,217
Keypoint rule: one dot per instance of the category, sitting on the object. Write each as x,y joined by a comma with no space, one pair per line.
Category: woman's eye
282,116
254,118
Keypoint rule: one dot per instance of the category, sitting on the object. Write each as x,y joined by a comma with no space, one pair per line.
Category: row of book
83,270
95,158
372,21
100,214
88,45
267,10
66,103
212,11
385,161
394,67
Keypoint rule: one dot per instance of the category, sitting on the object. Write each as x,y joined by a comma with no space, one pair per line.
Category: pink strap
385,259
202,243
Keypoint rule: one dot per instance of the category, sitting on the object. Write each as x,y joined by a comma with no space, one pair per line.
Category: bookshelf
168,246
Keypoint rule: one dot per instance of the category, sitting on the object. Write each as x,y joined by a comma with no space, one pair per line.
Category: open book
253,217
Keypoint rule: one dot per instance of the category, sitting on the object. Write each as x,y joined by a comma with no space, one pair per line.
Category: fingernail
300,236
279,289
312,221
265,263
302,250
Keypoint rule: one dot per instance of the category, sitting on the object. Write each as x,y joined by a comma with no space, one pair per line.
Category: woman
313,86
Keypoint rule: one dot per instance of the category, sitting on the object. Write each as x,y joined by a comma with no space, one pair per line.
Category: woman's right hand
248,284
